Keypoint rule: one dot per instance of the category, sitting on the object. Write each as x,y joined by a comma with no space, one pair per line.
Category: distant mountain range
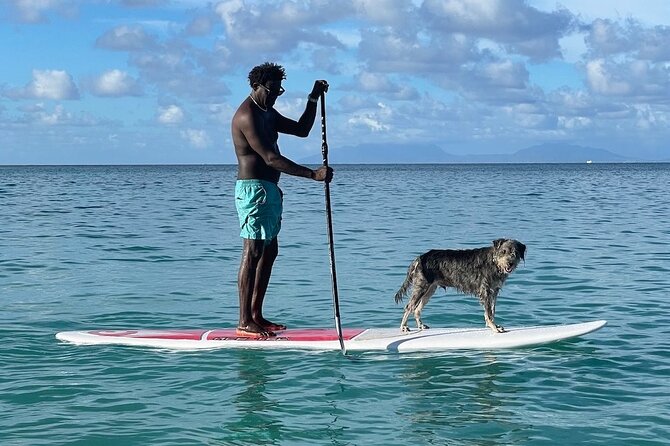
430,153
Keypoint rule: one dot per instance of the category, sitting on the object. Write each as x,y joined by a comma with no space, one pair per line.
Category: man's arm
302,127
266,151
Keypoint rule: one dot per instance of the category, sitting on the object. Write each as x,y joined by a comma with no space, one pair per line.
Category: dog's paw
423,327
405,329
496,328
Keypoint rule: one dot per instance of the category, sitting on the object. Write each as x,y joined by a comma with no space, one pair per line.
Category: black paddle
329,221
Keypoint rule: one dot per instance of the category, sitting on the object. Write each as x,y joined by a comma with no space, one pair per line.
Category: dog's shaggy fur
480,272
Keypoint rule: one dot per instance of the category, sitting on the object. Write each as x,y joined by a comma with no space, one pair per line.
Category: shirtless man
255,129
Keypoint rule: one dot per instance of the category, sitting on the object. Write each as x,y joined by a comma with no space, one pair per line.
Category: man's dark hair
266,72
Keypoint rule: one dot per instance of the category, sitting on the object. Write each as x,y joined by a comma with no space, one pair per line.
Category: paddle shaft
329,223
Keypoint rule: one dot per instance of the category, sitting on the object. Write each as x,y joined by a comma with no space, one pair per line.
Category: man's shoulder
243,113
244,107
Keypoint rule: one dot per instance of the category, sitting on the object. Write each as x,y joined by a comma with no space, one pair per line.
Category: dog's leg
419,288
499,328
408,310
489,303
403,324
422,303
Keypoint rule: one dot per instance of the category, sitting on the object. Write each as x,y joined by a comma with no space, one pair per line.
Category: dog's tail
408,281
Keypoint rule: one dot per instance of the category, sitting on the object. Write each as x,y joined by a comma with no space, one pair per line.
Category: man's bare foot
266,324
253,331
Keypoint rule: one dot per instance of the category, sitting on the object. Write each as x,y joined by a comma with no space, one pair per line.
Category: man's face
272,90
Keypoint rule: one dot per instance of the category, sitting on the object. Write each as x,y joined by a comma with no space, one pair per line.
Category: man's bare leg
263,273
252,252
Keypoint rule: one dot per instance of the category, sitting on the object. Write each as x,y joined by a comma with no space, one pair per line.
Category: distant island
433,154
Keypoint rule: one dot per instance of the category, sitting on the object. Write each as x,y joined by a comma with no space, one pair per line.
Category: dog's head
507,253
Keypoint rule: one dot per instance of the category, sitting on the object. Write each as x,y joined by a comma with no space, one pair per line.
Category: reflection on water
253,418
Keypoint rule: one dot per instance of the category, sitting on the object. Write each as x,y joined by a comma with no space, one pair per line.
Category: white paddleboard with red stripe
387,339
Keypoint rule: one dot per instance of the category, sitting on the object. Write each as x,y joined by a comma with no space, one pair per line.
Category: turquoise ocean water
158,246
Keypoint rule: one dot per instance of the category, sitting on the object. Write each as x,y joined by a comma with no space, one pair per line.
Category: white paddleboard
386,339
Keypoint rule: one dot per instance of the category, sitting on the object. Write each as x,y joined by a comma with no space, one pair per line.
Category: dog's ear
498,243
521,249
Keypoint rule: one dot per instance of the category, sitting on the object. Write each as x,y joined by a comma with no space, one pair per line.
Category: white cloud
126,38
294,25
196,138
227,10
381,84
390,50
573,123
368,121
520,27
505,73
570,100
651,12
648,118
141,3
34,11
47,84
466,12
374,121
58,116
172,114
630,38
178,68
531,116
601,80
115,83
384,12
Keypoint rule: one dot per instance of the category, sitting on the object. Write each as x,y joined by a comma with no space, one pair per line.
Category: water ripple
158,246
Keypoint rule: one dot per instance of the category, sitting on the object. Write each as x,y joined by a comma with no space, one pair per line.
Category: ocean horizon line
437,163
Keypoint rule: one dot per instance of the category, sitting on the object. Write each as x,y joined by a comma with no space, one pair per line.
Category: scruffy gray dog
480,272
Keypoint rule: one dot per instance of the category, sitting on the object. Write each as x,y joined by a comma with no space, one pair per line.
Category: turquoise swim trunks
259,208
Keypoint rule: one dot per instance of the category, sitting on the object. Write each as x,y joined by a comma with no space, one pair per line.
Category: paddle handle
329,223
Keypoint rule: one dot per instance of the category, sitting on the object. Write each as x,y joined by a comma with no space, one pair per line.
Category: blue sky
157,81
